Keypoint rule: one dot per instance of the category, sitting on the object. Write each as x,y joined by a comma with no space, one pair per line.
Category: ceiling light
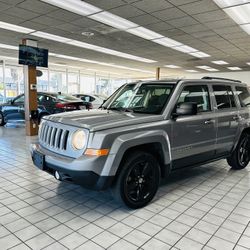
240,14
212,69
229,3
248,63
51,37
16,28
203,67
246,28
220,62
185,49
172,66
234,68
76,6
144,33
167,42
192,71
97,62
8,58
113,20
6,46
199,54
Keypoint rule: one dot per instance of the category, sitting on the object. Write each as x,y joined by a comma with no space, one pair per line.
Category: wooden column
30,100
30,93
158,70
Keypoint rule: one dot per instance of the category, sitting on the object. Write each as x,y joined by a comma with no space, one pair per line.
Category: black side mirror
186,108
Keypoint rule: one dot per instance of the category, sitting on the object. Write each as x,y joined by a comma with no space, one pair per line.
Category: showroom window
224,96
87,84
1,84
73,83
243,95
197,94
57,81
43,81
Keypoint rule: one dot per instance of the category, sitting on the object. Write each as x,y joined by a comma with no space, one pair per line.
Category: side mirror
186,108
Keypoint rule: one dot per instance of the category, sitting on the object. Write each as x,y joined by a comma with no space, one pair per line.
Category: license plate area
38,159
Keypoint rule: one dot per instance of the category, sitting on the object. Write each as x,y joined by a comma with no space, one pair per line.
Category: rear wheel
138,180
2,122
240,157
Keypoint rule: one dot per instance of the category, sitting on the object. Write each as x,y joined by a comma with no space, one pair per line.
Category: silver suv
144,131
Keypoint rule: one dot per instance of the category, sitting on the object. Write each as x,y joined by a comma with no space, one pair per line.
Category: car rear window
66,97
243,95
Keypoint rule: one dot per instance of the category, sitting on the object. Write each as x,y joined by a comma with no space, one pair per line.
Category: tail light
66,106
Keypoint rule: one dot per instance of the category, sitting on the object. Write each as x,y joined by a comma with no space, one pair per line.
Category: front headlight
79,140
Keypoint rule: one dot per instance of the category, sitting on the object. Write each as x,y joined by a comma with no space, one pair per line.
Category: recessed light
240,13
212,69
145,33
51,37
172,66
185,49
76,6
113,20
248,63
6,46
16,28
229,3
192,71
167,42
234,68
199,54
203,67
220,62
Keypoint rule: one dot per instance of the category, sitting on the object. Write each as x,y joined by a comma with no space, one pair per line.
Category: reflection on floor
202,208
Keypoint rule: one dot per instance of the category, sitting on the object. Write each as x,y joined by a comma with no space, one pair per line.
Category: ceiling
197,23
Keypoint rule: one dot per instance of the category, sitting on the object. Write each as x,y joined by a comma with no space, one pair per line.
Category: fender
126,141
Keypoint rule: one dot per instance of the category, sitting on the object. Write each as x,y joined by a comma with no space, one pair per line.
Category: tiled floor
202,208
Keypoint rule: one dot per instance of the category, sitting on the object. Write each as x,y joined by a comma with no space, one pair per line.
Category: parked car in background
91,101
1,98
48,103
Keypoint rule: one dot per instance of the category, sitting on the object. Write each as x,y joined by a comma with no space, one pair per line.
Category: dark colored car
91,101
48,103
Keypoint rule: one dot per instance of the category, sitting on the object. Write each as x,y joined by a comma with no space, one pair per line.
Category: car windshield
144,98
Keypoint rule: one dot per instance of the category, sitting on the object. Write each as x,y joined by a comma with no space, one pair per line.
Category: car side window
197,94
244,96
19,100
224,96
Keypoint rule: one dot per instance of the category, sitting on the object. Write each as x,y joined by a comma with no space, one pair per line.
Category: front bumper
85,171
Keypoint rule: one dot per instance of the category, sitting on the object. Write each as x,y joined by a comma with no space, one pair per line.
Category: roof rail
219,78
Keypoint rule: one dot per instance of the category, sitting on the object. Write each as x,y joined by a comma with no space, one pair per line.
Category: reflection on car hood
95,120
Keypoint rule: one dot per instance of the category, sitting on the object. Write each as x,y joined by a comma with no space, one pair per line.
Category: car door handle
210,121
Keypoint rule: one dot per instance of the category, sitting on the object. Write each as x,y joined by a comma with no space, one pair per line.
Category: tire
138,180
2,122
240,157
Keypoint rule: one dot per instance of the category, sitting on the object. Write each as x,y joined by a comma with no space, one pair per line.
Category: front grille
53,137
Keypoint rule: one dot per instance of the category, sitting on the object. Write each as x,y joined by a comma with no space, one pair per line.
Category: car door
193,137
16,110
227,116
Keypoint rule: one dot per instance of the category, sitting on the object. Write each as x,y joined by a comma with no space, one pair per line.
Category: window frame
201,85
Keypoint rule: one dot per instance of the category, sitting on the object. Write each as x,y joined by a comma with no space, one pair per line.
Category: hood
95,120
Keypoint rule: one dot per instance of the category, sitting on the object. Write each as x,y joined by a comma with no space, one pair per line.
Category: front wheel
138,180
240,157
2,122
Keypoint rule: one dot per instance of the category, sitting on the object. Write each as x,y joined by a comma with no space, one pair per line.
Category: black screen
33,56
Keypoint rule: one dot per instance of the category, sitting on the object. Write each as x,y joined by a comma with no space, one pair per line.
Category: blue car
48,103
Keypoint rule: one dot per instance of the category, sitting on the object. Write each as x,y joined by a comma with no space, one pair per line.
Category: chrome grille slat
56,137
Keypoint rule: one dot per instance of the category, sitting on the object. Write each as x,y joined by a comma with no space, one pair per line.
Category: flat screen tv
33,56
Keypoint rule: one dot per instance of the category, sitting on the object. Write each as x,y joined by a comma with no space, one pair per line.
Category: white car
91,101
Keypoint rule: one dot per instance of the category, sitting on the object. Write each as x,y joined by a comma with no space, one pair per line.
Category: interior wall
242,76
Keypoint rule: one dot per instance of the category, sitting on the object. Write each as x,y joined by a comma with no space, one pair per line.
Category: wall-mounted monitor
33,56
